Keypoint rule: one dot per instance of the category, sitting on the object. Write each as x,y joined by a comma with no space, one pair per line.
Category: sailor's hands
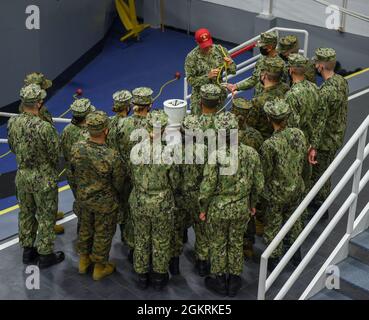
213,73
202,216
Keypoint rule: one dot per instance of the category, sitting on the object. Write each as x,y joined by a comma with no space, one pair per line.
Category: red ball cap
203,38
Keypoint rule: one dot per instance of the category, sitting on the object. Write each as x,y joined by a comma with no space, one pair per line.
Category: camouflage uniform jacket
115,125
250,137
254,80
72,134
303,98
44,113
331,115
36,145
257,117
99,176
283,157
198,66
154,185
231,196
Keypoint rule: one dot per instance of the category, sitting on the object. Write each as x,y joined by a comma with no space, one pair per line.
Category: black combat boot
174,266
48,260
217,284
143,280
234,285
130,256
30,255
203,268
296,258
159,280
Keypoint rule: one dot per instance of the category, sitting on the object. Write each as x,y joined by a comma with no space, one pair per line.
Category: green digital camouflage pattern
254,80
267,38
227,200
226,245
250,137
257,117
325,55
198,66
96,234
31,94
72,134
99,177
331,123
36,147
207,121
44,113
152,207
125,146
210,91
283,159
142,96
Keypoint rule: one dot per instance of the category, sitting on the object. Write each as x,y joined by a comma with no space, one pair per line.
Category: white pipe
4,141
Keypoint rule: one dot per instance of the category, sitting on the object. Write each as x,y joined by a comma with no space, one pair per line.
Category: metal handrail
250,63
3,141
56,120
355,170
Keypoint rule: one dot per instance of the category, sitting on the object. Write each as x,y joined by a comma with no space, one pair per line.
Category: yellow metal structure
128,16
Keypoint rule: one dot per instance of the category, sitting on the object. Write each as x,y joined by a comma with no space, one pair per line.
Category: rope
223,68
64,113
61,173
5,154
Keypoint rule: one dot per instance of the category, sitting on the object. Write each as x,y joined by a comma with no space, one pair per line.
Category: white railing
56,120
250,63
350,204
3,141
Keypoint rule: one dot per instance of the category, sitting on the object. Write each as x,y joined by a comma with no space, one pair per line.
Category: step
359,247
326,294
354,279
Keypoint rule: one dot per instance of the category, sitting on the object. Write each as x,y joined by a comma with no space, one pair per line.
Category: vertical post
356,182
189,5
343,16
306,44
262,278
185,89
267,8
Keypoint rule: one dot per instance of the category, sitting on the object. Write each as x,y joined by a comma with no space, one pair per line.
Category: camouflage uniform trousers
276,217
189,203
324,159
226,245
178,230
96,233
37,217
153,237
73,187
124,220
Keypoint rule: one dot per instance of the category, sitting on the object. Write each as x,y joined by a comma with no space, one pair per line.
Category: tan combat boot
58,229
60,215
84,263
103,270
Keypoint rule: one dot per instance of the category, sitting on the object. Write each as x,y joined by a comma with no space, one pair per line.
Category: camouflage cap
278,109
122,100
82,107
97,121
142,96
268,38
288,43
325,54
273,65
297,60
191,122
210,92
241,103
32,93
226,120
157,118
38,78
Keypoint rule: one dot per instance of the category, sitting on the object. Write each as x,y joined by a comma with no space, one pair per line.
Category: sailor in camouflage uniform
210,104
122,106
289,45
303,99
39,79
99,177
270,75
75,132
191,173
267,45
152,205
35,144
205,65
331,118
142,102
283,158
250,137
226,203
